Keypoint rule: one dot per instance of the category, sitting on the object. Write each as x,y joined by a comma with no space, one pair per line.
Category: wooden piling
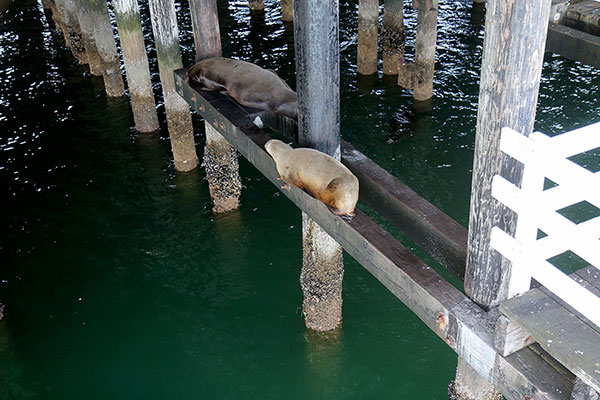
513,52
143,104
205,25
220,158
469,385
58,22
368,22
256,5
87,35
70,27
287,10
105,42
392,36
179,119
582,391
425,46
318,81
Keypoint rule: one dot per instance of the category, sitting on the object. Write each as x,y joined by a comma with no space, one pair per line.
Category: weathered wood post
368,22
143,104
87,35
105,42
392,36
425,46
220,158
316,29
581,391
58,21
179,119
513,53
287,10
256,4
418,75
70,27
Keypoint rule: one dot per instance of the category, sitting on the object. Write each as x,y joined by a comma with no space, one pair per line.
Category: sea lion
320,175
249,84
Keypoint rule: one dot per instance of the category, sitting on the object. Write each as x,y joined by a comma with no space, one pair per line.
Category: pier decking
559,329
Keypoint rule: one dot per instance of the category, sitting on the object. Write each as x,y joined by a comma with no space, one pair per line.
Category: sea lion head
276,147
341,195
200,69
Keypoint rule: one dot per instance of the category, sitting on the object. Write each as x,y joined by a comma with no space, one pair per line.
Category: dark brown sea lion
249,84
322,176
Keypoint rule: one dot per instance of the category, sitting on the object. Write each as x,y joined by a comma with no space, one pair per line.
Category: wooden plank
573,44
563,333
584,16
515,374
464,326
510,336
431,229
581,391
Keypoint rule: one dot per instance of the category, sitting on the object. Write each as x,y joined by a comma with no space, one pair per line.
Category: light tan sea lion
320,175
249,84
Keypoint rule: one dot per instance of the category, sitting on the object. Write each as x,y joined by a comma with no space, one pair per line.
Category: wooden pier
498,342
464,326
575,32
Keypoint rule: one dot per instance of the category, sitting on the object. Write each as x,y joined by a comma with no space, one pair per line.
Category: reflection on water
324,359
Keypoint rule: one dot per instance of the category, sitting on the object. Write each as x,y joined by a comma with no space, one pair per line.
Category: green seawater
119,282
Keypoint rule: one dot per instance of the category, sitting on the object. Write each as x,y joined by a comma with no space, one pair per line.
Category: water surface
118,280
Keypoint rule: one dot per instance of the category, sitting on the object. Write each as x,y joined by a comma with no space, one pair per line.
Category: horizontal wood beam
464,326
573,44
437,233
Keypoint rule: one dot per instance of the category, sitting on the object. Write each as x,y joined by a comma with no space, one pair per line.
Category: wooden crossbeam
464,326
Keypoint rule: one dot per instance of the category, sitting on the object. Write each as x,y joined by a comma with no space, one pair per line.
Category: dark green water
120,283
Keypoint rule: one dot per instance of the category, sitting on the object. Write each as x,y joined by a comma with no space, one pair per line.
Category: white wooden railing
547,157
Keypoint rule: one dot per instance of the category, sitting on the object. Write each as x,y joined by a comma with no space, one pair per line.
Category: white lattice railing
547,157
